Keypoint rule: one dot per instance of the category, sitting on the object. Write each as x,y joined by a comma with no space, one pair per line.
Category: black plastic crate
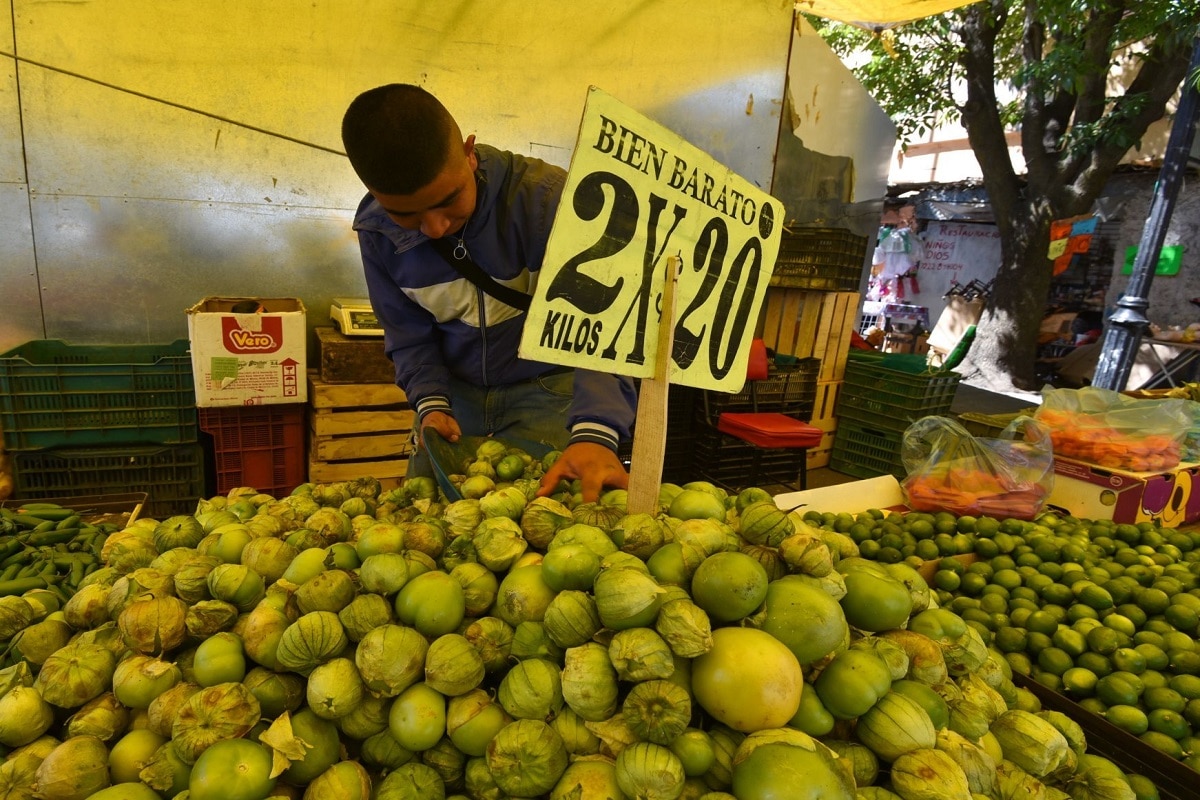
788,389
172,476
866,451
825,259
55,394
729,462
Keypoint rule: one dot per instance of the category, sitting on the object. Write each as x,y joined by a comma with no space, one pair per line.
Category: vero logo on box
267,339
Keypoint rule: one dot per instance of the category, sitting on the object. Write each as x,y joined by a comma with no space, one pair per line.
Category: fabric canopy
874,13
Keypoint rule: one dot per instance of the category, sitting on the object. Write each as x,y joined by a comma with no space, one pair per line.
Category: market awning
876,14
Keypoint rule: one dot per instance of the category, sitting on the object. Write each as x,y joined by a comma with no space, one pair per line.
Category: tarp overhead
873,13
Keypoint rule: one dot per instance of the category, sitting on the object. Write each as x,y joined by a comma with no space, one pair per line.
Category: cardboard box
248,359
1170,498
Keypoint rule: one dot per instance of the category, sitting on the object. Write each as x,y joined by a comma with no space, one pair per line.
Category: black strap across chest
474,273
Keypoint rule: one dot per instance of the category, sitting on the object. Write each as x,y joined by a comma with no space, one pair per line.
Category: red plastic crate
257,446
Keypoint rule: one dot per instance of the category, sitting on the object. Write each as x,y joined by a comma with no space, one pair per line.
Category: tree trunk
1003,357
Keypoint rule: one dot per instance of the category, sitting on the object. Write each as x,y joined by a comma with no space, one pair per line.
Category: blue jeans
535,410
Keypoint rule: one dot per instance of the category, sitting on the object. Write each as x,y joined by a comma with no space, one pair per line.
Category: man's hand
593,464
443,423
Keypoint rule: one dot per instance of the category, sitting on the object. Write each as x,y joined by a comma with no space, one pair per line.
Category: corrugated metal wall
154,153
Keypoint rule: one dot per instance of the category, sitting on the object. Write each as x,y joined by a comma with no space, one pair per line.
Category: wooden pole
650,438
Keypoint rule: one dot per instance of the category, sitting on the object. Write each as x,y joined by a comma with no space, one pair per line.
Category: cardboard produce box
245,359
1085,490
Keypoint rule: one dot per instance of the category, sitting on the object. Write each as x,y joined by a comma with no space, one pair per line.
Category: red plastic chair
765,430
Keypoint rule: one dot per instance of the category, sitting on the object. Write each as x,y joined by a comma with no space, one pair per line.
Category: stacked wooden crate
811,309
814,324
360,422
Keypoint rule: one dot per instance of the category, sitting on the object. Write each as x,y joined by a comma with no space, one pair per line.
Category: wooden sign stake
650,439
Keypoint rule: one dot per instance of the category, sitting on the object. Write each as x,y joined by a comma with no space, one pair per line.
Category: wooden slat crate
358,430
824,418
812,324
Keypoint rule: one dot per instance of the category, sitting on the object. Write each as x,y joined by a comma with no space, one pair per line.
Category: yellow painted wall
155,153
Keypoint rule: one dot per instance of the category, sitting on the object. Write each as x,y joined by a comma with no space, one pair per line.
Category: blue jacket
437,323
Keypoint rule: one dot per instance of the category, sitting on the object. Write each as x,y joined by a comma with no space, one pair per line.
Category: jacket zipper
460,252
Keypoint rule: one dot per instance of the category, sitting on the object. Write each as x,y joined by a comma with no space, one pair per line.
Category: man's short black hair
398,137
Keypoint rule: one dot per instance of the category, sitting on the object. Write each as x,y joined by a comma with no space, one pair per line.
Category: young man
435,199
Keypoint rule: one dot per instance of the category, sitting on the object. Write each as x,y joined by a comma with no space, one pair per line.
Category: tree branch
980,25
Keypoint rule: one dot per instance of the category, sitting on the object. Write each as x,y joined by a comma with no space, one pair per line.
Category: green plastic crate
865,452
173,476
55,394
874,395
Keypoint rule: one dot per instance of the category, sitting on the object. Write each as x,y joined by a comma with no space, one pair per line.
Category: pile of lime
1104,613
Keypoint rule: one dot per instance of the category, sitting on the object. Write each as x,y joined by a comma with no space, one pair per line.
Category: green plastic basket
55,394
874,395
866,452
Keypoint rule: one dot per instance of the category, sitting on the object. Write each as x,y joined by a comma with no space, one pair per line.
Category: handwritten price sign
637,193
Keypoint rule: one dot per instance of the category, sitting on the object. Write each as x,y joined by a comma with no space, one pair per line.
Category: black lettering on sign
651,258
630,148
751,252
709,255
586,293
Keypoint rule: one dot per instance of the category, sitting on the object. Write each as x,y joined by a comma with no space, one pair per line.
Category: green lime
1121,624
1143,787
1164,697
986,548
1008,578
1092,705
1011,640
1182,618
1115,690
1054,660
947,579
973,584
1176,640
1103,640
1019,663
1041,622
1187,685
1037,642
1094,662
1058,594
1153,601
1128,718
1184,661
1072,642
1162,742
1156,657
1079,682
1191,712
1153,679
1135,614
1128,659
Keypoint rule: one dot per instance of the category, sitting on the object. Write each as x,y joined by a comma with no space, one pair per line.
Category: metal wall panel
20,307
177,150
124,270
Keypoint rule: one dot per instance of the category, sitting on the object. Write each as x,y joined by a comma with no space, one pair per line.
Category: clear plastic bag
1114,430
951,470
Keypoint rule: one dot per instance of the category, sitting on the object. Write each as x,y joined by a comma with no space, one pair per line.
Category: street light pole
1129,324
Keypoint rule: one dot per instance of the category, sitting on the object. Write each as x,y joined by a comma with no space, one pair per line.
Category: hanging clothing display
898,254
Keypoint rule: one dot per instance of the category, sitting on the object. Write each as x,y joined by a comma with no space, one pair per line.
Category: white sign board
635,194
